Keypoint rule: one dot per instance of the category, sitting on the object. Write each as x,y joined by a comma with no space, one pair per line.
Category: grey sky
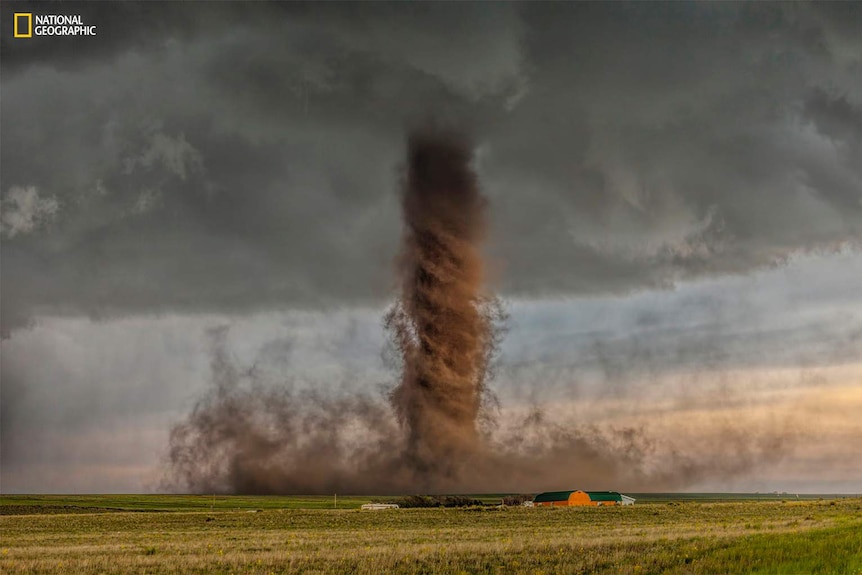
203,163
194,162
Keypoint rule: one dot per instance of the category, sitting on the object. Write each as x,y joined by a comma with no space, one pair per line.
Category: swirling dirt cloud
438,430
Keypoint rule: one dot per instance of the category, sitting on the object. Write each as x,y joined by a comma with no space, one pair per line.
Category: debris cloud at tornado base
438,429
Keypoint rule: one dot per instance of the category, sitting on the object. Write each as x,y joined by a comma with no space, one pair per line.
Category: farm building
568,498
379,506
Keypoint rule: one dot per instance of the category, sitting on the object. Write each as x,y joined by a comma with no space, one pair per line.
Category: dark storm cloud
671,140
233,157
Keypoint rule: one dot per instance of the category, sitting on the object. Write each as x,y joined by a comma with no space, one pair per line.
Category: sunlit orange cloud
776,428
730,391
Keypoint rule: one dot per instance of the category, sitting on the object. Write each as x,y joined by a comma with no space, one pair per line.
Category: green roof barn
568,498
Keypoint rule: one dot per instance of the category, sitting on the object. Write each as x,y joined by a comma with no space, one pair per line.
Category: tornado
436,430
442,323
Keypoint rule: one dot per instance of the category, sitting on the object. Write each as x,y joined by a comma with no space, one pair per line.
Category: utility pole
335,501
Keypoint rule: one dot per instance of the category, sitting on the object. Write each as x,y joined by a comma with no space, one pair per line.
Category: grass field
201,534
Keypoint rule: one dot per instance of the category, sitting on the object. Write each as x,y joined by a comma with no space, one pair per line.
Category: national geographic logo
28,25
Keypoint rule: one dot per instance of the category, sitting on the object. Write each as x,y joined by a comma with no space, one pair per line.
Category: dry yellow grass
767,537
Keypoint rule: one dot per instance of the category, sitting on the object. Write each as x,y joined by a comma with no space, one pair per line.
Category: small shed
570,498
379,506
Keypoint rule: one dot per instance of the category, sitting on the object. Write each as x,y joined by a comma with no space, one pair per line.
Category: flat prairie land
261,535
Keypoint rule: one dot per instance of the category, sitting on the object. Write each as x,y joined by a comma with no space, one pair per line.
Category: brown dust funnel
438,433
442,323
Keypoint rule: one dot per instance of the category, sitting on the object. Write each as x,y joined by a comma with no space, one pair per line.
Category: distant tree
434,501
516,499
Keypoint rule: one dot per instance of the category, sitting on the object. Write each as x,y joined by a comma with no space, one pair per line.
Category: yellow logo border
29,16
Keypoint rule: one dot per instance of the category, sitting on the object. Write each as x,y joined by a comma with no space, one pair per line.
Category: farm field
181,534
